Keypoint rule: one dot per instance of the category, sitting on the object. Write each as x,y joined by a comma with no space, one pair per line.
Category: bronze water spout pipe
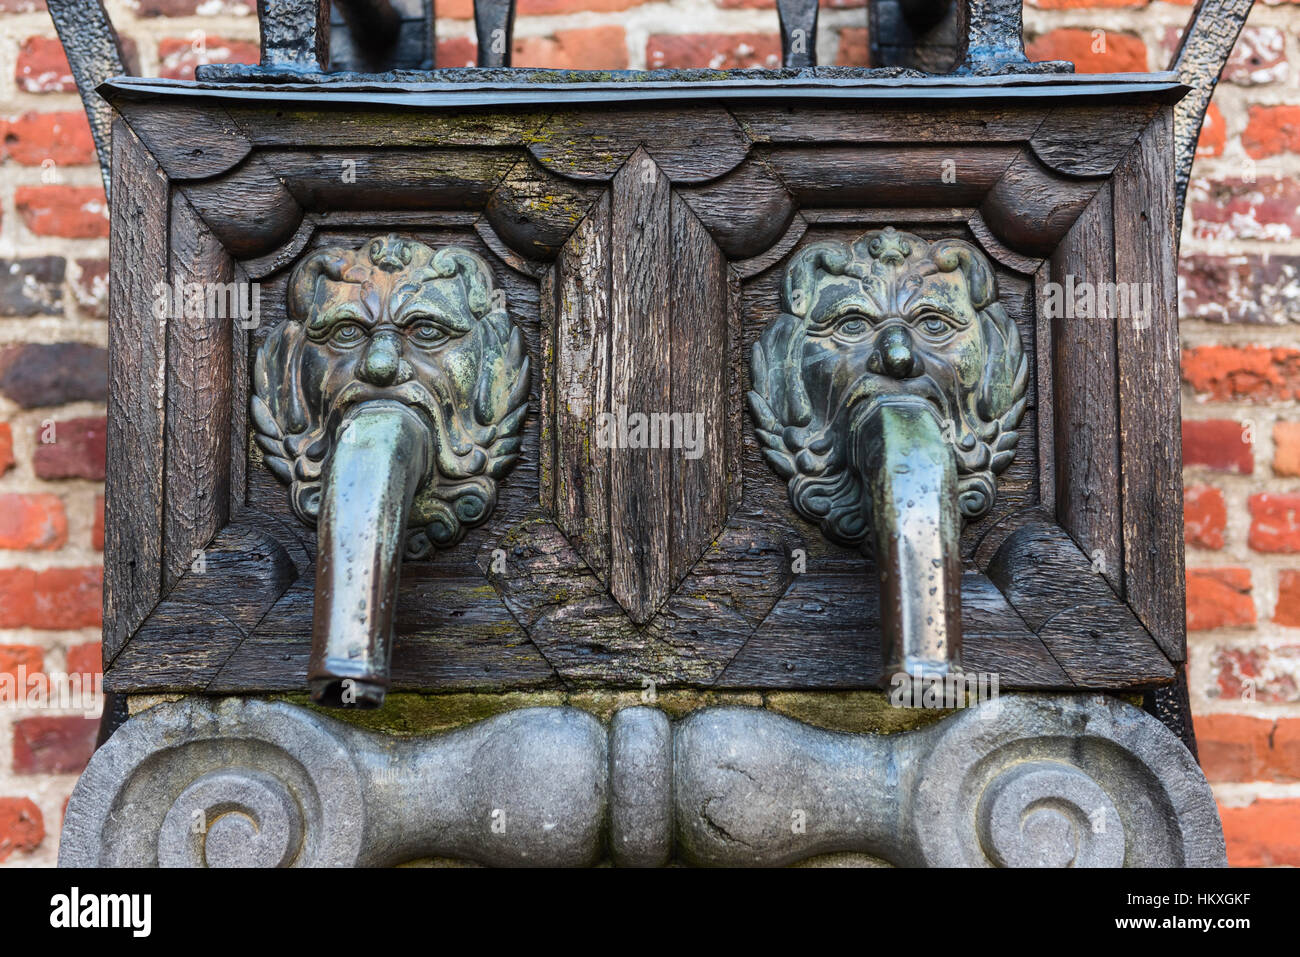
910,475
381,456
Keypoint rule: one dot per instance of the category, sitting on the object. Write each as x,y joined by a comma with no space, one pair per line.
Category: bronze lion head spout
391,402
888,394
889,317
400,321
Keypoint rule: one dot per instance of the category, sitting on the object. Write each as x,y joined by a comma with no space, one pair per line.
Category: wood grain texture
580,381
1085,379
640,480
1150,438
133,508
213,144
597,144
703,391
249,210
1031,208
199,400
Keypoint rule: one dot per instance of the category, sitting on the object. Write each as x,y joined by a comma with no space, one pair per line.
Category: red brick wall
1240,300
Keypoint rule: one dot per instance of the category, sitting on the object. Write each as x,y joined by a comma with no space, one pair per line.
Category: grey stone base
1024,780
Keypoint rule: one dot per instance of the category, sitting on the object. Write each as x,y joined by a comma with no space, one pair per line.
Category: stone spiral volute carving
1019,781
240,784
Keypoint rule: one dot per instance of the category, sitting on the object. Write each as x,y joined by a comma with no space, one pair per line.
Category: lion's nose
383,359
893,355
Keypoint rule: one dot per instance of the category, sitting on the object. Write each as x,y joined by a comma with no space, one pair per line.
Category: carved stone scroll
1065,781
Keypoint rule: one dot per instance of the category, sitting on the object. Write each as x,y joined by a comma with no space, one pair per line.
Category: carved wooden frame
703,189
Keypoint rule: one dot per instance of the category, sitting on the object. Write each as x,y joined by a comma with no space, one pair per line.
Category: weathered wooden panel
1150,438
1084,377
133,507
580,379
199,400
640,284
640,480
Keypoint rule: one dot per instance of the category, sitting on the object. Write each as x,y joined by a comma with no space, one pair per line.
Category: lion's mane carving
400,321
889,314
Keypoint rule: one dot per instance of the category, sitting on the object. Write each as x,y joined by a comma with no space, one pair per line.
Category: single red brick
1083,4
75,212
22,828
30,657
1258,673
36,522
186,8
1286,448
1205,516
50,745
1255,287
457,51
1214,134
6,448
97,530
592,48
1237,747
1091,51
178,56
714,51
1221,444
12,657
90,286
33,138
854,48
55,599
16,598
1219,598
43,68
1271,130
456,10
1256,373
544,8
1274,522
76,452
86,659
1263,207
1264,833
1287,610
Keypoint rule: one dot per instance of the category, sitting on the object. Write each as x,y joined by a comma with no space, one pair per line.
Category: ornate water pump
659,410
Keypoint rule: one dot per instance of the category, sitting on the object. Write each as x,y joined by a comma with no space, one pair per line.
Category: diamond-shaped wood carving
644,322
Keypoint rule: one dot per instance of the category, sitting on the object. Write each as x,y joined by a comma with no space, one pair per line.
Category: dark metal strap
798,19
1207,42
994,33
95,55
295,35
494,22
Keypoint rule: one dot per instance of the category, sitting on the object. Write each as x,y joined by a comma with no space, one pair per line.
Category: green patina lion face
889,315
396,320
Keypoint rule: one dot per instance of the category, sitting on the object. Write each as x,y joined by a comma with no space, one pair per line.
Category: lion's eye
852,329
934,326
428,334
347,334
